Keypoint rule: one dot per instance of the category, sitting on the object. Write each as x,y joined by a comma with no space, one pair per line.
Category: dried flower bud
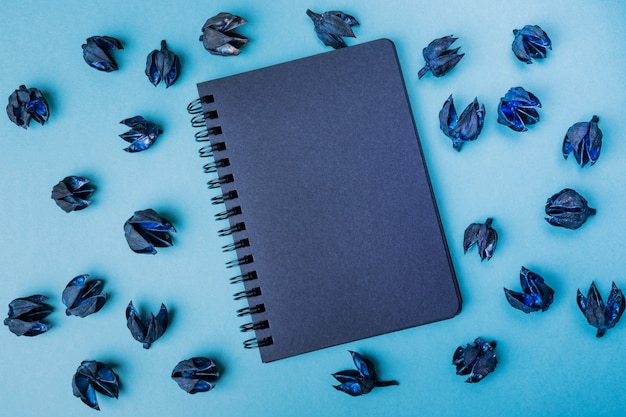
597,314
146,230
530,42
162,65
331,26
568,209
96,52
196,375
461,129
584,139
218,37
146,331
141,135
476,359
439,59
26,104
361,381
518,108
536,294
83,297
92,377
484,236
72,193
25,315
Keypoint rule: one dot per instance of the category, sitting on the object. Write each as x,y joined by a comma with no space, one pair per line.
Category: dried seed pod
530,42
584,140
26,104
439,58
92,377
26,314
146,230
72,193
476,360
331,26
162,65
568,209
536,294
196,375
360,381
142,134
83,297
598,315
461,129
484,236
518,108
146,331
218,37
96,52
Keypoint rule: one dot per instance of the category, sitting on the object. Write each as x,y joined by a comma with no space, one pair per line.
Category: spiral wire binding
208,133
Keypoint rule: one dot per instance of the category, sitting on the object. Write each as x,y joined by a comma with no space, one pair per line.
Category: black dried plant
483,236
568,209
360,381
146,331
599,315
330,27
146,230
96,52
584,140
476,360
72,193
26,314
91,377
440,59
162,65
536,295
142,134
83,296
518,109
461,129
218,36
26,104
196,374
530,42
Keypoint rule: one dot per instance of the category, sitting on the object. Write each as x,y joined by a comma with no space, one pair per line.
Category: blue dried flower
196,375
92,377
439,59
518,108
162,65
461,129
83,297
482,235
218,37
96,52
72,193
568,209
598,315
25,315
584,139
360,381
146,331
477,359
26,104
530,42
146,230
141,135
536,294
331,26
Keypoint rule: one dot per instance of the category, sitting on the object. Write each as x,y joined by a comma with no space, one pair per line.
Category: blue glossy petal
352,388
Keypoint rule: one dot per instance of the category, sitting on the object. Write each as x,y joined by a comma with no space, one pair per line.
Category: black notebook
326,201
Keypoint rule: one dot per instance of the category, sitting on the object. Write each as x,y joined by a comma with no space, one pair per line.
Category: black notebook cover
329,204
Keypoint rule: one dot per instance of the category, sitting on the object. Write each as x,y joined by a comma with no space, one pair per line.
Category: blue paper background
550,363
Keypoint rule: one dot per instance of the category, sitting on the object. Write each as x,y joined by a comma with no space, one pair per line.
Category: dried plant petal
96,52
536,294
196,374
360,381
26,104
142,134
83,297
461,129
146,230
476,360
26,314
530,42
597,314
218,37
482,235
331,26
568,209
162,65
584,140
72,193
146,331
91,377
518,108
439,59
